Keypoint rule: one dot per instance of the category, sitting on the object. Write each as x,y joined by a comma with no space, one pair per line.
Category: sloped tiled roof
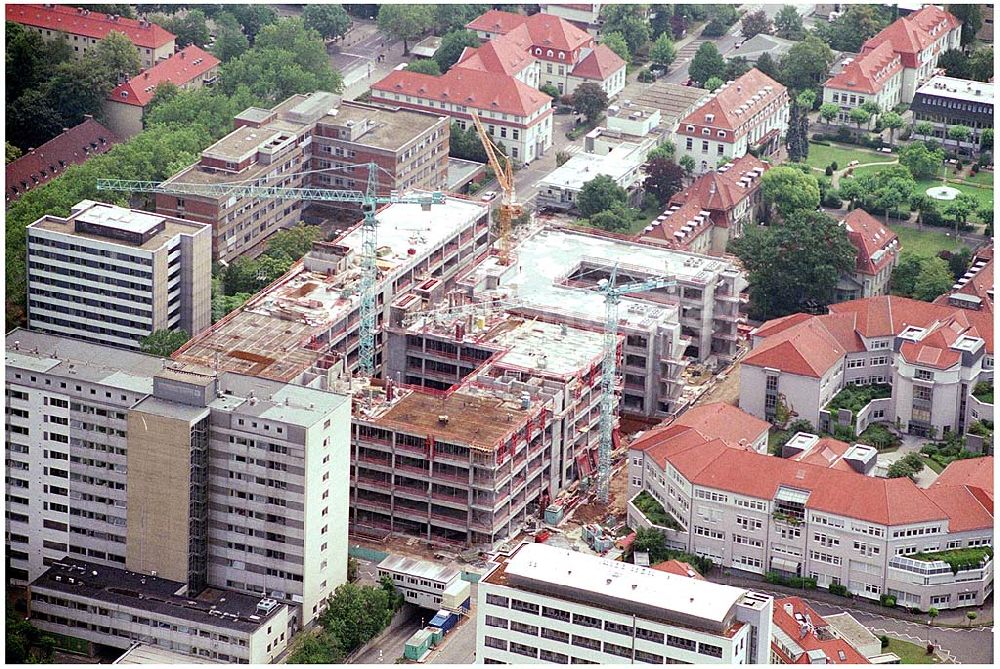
73,147
973,472
869,72
472,88
719,420
599,64
808,348
876,244
724,108
495,56
980,284
678,567
186,65
496,21
966,511
837,650
724,188
668,228
96,25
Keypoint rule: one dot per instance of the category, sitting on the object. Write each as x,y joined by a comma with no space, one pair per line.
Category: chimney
789,609
182,54
88,117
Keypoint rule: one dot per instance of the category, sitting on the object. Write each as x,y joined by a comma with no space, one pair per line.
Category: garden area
654,511
654,543
910,653
940,455
925,242
821,155
880,437
855,398
983,392
958,558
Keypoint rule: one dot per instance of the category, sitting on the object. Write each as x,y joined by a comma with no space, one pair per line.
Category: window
710,650
523,629
681,642
556,658
527,607
586,642
497,600
493,621
586,621
704,147
615,649
557,614
690,144
555,635
923,375
493,642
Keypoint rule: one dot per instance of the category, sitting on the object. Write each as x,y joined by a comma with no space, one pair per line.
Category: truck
444,620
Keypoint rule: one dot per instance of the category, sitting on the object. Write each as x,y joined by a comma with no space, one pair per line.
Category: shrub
832,200
775,578
888,601
879,436
884,640
834,165
645,76
829,171
839,589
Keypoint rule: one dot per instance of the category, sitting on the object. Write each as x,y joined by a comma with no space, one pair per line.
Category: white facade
561,188
420,582
887,97
531,610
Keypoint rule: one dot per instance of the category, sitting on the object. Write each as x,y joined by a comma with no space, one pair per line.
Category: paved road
391,647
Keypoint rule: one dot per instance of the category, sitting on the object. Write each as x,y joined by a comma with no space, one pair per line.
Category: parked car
488,196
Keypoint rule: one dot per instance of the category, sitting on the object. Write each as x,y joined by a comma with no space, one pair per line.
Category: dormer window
722,133
549,53
538,52
709,118
706,131
690,128
562,55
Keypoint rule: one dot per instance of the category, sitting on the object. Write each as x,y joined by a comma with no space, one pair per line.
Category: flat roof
545,258
958,89
144,653
387,128
281,402
48,353
432,571
460,172
620,587
673,100
212,606
583,167
270,335
110,216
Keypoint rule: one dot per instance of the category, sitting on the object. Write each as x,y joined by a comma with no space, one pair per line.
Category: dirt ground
727,390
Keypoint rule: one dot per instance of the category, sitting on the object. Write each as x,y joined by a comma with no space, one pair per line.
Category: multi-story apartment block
205,478
109,606
895,62
946,101
874,76
933,355
542,604
83,29
974,290
114,276
878,253
757,513
554,275
306,141
562,55
748,113
72,147
713,210
585,16
513,113
188,69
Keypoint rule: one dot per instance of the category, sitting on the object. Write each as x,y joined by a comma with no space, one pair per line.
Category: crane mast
504,170
369,199
609,368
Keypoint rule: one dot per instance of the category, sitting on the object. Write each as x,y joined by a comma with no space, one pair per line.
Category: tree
859,116
788,24
795,265
189,28
959,133
330,21
452,46
664,178
960,209
163,343
590,100
649,541
807,64
971,615
986,139
904,275
230,42
923,128
958,262
854,27
12,153
599,194
712,83
253,18
922,203
424,66
934,279
663,52
405,22
797,137
971,18
664,151
892,122
981,64
736,68
907,466
707,63
618,218
616,42
629,21
449,18
25,643
687,162
292,243
955,63
768,66
31,60
829,111
755,23
789,190
921,161
660,20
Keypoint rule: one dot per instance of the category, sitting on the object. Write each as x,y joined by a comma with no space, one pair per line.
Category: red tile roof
495,56
781,324
668,228
599,64
837,650
724,421
911,34
980,285
75,146
869,72
808,348
966,510
826,453
731,107
723,189
973,472
496,21
877,245
546,30
679,568
472,88
184,66
92,24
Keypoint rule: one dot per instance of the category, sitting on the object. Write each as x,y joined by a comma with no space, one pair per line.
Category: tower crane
369,199
504,170
609,367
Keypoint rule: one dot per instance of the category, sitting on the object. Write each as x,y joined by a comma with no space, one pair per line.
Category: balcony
450,498
372,503
420,471
654,513
460,523
460,478
402,447
377,462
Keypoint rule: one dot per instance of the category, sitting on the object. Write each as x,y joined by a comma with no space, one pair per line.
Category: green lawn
983,178
925,242
983,195
933,464
911,653
820,156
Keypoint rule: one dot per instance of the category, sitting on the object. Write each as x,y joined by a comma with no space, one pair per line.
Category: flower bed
855,398
958,558
654,511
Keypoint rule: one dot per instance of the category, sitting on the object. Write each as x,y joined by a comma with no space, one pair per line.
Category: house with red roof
933,355
974,290
800,635
74,146
895,62
806,517
750,112
714,209
878,253
191,67
565,55
82,29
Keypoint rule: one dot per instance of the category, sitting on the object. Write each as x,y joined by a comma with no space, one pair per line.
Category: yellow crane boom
504,170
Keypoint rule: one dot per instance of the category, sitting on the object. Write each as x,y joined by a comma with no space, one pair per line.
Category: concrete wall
123,119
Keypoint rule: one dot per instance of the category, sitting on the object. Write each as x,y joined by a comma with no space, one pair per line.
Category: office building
114,276
945,102
541,604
